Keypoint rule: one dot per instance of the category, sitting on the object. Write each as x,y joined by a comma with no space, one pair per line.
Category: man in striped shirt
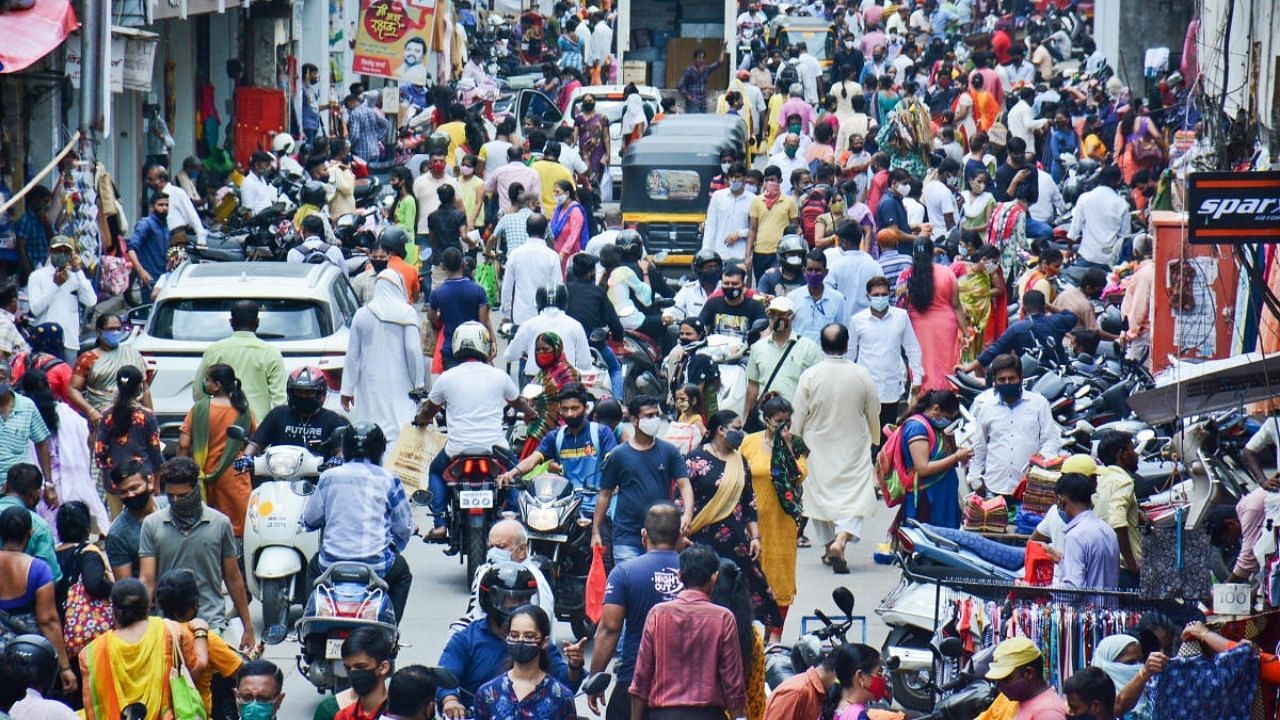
892,262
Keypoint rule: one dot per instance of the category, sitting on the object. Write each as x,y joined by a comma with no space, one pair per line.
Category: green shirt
765,354
41,543
200,549
258,366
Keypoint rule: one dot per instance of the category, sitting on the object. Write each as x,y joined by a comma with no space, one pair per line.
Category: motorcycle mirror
302,487
596,684
1083,429
134,711
1143,439
951,647
892,663
661,256
421,498
274,634
237,433
843,598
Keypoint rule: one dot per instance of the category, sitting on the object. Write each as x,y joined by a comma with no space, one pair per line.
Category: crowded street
639,360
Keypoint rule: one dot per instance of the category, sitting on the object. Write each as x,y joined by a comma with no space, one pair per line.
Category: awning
28,35
1200,388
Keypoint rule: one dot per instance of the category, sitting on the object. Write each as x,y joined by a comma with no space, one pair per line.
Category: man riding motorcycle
364,514
303,420
475,394
788,274
707,268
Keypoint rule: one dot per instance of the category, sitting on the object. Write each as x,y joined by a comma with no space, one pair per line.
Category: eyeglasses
529,637
241,698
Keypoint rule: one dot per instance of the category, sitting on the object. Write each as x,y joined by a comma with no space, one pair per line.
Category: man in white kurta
384,359
837,412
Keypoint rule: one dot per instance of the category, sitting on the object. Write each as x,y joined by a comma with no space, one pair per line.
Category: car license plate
468,499
551,537
333,649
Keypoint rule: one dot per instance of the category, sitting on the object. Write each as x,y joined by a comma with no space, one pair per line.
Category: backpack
815,205
787,76
316,255
894,478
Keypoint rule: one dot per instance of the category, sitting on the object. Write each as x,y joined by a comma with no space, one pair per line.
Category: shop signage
133,55
393,38
1233,208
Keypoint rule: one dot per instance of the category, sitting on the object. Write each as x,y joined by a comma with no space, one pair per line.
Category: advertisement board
393,38
1233,208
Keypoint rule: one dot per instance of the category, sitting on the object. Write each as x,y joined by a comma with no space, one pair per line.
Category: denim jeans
623,553
439,491
616,382
1037,229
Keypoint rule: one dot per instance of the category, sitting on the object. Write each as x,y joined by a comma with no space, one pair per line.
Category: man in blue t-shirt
644,471
457,300
577,447
634,587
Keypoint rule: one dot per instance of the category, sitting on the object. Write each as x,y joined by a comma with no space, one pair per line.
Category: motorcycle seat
356,573
969,381
999,554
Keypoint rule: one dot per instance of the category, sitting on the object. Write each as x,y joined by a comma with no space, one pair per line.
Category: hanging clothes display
1193,688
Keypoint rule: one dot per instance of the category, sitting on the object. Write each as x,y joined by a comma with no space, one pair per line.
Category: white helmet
283,143
471,340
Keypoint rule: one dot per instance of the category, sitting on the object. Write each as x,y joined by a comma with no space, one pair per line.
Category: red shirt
689,656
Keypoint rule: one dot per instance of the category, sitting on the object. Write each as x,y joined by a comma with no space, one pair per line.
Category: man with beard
149,246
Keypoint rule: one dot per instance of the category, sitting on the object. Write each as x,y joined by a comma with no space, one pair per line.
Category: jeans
1037,229
623,553
1081,262
760,263
439,491
616,381
398,578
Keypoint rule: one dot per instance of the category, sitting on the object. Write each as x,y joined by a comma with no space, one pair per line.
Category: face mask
734,438
378,265
113,338
794,261
497,555
1009,392
136,502
575,422
878,687
437,166
732,293
779,324
880,303
186,510
682,406
304,405
523,652
6,388
560,199
649,425
588,107
790,151
1063,514
545,359
953,182
903,188
724,167
990,267
468,171
257,710
849,44
686,342
837,208
736,186
362,681
1017,690
60,260
941,423
709,277
814,279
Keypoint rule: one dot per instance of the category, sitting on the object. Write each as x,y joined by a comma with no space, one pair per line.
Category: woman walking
731,593
778,462
936,499
554,373
93,379
569,223
27,588
725,508
860,680
127,433
204,439
593,144
936,316
981,288
1138,144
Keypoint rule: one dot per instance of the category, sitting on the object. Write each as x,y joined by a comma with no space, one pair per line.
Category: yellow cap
1081,464
1011,655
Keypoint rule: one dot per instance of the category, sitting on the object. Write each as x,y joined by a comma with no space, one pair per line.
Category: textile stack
985,515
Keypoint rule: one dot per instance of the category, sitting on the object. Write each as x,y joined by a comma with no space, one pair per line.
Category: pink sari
936,329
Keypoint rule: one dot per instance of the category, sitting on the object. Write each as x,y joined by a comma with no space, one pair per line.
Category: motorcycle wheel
909,689
582,626
477,546
275,602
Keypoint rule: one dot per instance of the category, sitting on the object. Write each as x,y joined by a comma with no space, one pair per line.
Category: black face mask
136,502
304,405
575,422
363,681
732,293
709,277
588,107
378,265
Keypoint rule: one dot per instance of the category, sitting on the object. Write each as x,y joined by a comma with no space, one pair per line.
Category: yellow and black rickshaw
666,188
703,126
818,36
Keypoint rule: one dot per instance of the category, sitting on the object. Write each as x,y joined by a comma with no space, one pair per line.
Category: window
206,319
673,185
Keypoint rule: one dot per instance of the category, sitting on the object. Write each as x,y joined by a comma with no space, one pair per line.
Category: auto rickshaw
704,125
818,35
666,188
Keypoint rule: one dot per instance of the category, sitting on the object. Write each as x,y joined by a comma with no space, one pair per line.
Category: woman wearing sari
132,662
925,450
593,141
93,381
724,512
554,372
981,287
204,439
634,119
569,223
778,462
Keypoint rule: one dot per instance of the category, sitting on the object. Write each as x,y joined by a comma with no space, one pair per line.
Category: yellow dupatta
728,493
118,673
975,298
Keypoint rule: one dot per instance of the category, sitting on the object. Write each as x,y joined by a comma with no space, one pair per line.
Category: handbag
596,581
1146,148
187,704
115,270
86,617
755,421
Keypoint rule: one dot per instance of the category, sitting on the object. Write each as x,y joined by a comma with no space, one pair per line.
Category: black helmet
706,256
37,652
363,441
552,293
314,193
395,237
628,242
306,379
345,227
504,587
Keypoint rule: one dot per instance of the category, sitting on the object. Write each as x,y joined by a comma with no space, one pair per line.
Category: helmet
363,441
345,227
307,380
706,256
552,294
504,587
471,341
37,652
792,245
283,143
629,244
314,193
395,236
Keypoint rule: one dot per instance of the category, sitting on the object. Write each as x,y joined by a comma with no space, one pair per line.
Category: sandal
803,542
438,533
839,565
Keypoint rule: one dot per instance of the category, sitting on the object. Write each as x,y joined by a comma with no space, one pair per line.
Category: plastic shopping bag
595,585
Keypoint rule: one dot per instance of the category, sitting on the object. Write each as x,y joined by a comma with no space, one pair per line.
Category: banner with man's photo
393,38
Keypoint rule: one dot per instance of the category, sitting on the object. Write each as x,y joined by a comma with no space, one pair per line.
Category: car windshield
206,319
611,109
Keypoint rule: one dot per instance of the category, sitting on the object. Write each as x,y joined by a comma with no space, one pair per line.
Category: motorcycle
277,550
782,663
970,693
347,596
729,353
271,234
640,358
550,507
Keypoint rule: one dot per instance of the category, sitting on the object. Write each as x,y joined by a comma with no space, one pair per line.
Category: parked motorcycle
347,596
782,663
550,507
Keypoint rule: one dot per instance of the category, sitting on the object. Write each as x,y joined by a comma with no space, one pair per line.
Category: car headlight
283,463
543,519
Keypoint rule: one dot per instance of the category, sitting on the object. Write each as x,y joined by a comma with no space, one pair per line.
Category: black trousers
398,577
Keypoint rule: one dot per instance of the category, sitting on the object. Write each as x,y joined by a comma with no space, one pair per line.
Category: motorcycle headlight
283,464
543,519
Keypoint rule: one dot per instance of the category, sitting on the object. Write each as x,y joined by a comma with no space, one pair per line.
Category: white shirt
495,154
1048,202
256,194
1266,437
529,267
938,201
849,273
576,348
34,706
60,304
757,19
725,214
601,42
1098,220
877,344
787,165
776,148
334,253
182,212
810,69
1023,124
475,394
1053,527
1006,438
572,160
915,210
689,300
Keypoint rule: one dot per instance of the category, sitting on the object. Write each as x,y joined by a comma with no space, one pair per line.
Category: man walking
778,359
693,83
837,413
817,304
366,127
258,365
384,359
1012,424
531,266
689,666
149,245
457,300
878,338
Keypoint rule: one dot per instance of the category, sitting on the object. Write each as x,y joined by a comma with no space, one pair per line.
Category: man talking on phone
57,289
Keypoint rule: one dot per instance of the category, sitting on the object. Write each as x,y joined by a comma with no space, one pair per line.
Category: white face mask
497,555
649,425
903,189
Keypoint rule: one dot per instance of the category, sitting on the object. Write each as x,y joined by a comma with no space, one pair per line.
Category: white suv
306,311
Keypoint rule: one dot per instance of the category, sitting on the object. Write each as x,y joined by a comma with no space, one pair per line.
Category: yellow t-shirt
223,659
1094,147
771,222
548,173
457,132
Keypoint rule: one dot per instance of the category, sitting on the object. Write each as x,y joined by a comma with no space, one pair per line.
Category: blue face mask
113,338
1063,514
941,423
498,555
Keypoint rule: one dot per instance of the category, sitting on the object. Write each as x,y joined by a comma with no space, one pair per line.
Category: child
689,407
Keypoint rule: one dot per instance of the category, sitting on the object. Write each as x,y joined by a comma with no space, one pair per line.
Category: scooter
550,507
347,596
276,547
782,663
729,353
969,694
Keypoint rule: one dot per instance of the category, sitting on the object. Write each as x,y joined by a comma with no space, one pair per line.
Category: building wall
1126,29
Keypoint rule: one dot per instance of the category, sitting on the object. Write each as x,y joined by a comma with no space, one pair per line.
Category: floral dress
551,700
729,537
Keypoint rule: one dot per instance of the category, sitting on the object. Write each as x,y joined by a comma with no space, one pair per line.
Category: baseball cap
1080,463
1011,655
62,241
781,304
